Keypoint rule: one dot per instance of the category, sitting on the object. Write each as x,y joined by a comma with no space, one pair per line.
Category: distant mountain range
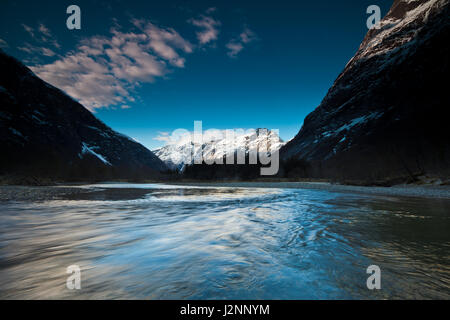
177,154
45,134
385,119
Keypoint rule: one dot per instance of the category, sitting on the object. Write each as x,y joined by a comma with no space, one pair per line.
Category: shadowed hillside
384,119
45,136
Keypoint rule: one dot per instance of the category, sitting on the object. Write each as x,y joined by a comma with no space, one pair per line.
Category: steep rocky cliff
177,154
385,120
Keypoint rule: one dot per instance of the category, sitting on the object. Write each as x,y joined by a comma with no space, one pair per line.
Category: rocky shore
44,193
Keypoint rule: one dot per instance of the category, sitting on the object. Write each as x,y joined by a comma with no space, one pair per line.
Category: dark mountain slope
46,134
385,119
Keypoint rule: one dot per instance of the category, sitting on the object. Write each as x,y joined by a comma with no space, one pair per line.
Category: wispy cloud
236,45
104,71
234,48
163,136
44,30
3,44
209,27
164,42
29,29
41,34
30,49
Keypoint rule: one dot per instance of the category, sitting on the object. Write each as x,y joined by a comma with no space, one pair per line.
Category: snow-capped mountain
384,117
215,145
46,134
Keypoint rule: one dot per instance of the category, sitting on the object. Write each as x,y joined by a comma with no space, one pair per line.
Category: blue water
167,242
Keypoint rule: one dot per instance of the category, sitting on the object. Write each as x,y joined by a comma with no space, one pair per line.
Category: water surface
170,242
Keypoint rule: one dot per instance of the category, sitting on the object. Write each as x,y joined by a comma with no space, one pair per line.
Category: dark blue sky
231,64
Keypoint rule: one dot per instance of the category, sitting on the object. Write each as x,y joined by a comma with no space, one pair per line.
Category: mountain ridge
45,134
177,154
383,118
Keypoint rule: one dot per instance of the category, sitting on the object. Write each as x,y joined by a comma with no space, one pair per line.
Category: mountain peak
215,145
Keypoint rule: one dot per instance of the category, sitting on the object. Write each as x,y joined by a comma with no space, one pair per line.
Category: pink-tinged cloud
209,27
236,45
104,71
42,35
36,50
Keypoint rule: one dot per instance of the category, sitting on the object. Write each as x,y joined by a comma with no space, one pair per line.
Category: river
153,241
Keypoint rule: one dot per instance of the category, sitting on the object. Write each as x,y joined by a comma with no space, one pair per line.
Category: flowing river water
169,242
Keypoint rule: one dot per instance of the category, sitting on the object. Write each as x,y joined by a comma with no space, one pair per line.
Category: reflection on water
158,242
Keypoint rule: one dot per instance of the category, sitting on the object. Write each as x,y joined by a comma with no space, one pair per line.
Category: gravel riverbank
43,193
34,193
426,191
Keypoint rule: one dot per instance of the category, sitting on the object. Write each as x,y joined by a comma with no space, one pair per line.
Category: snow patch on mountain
87,149
17,133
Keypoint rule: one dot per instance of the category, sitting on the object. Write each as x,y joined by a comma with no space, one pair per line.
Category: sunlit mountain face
217,145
